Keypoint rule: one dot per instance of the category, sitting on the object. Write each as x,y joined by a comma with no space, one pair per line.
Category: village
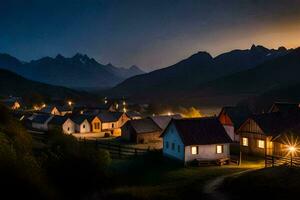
226,138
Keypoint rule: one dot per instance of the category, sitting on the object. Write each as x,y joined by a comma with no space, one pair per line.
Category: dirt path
211,187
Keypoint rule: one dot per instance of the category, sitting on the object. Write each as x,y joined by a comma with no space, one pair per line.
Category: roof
284,107
200,131
132,114
58,120
41,118
49,108
237,114
78,119
144,125
273,124
163,120
109,116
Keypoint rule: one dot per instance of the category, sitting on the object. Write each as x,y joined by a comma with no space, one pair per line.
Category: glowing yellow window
245,141
219,148
261,144
194,150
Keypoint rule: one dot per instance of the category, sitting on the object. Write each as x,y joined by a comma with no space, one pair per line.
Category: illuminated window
219,148
261,144
245,141
194,150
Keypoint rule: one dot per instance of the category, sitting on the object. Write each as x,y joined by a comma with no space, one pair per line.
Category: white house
63,123
201,139
82,124
40,121
232,117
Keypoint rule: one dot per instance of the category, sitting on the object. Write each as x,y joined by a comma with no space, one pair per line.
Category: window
112,125
261,144
220,148
83,126
173,146
194,150
167,145
68,128
178,148
245,141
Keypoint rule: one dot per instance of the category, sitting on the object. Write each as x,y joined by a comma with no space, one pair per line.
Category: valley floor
141,179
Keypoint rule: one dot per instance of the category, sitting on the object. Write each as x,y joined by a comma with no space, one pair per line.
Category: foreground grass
164,179
268,183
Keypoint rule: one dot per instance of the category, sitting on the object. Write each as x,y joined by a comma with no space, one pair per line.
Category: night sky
150,34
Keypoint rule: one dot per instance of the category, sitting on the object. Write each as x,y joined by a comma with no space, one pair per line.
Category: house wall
128,133
68,127
254,133
144,138
85,127
79,128
230,131
94,128
54,111
171,136
40,126
207,152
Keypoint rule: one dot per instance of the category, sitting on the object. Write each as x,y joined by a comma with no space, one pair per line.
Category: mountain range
201,75
79,71
258,75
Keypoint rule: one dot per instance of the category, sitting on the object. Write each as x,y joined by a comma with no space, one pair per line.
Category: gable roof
275,123
146,125
78,119
109,116
284,107
200,131
237,114
163,120
41,118
58,120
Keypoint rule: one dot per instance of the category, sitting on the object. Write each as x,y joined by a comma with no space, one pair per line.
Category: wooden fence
272,161
116,150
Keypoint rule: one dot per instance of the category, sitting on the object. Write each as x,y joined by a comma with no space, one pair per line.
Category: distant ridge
77,71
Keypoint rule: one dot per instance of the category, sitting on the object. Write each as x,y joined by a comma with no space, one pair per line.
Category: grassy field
267,183
164,179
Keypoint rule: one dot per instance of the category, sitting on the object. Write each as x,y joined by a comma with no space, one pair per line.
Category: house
133,115
82,124
260,134
163,120
93,109
284,107
112,122
141,131
200,139
63,123
56,110
95,123
12,103
232,117
40,122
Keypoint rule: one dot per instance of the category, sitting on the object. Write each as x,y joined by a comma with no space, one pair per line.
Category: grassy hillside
270,183
13,84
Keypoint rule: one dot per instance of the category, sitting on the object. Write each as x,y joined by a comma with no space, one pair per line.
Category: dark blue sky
150,34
